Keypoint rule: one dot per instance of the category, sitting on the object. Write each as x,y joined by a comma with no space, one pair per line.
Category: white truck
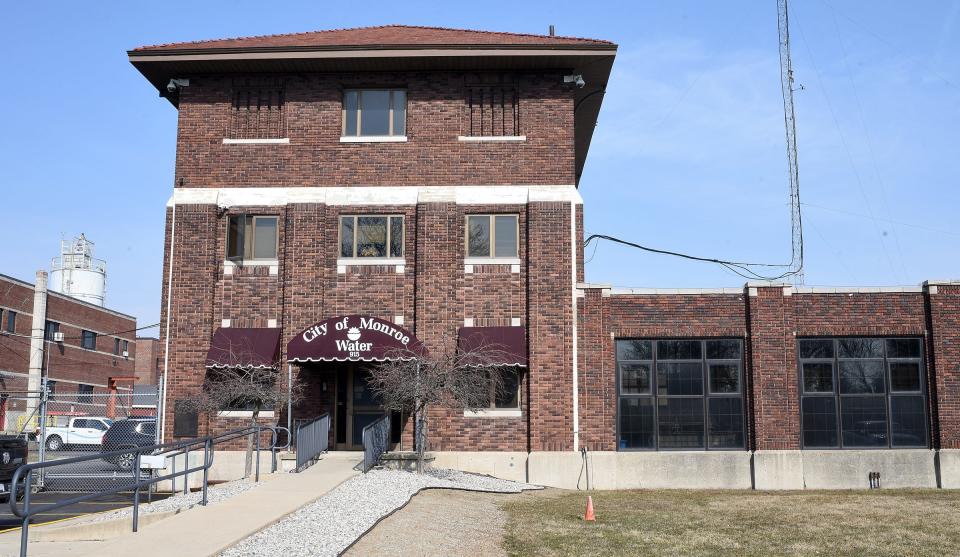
84,431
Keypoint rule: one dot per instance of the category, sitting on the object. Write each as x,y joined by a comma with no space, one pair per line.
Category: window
126,347
374,112
116,346
492,107
50,328
88,340
493,235
84,393
251,238
257,111
371,236
508,397
51,387
11,323
862,392
680,394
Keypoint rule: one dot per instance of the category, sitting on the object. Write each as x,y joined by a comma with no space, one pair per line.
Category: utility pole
37,344
786,85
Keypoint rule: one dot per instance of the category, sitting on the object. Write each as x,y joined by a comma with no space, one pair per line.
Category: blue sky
688,154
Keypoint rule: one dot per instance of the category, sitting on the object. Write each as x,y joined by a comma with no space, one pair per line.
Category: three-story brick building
339,193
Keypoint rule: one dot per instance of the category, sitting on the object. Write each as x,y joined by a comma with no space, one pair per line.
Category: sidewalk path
206,531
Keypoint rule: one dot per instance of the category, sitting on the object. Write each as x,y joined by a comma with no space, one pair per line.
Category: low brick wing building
339,193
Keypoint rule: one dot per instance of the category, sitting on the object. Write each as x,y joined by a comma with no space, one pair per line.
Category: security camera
576,79
175,84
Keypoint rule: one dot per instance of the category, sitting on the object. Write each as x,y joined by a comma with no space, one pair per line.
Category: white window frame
360,260
359,136
491,257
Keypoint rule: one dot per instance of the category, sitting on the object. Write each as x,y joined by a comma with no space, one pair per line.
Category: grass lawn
675,522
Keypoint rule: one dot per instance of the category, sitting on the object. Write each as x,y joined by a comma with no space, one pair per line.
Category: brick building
148,361
87,354
337,192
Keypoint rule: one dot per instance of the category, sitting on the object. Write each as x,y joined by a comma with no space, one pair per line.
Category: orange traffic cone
589,516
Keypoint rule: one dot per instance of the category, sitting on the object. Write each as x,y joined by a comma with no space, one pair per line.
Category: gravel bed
215,494
330,524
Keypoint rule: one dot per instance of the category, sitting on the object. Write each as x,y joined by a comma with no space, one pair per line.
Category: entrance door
356,407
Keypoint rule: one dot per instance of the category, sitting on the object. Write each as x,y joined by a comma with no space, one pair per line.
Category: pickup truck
13,454
85,431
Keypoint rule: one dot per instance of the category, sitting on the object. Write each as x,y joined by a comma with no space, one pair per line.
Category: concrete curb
83,531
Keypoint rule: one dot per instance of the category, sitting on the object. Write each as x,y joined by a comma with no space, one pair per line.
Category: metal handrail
176,448
312,440
375,436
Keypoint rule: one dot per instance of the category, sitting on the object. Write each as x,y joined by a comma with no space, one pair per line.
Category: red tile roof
384,35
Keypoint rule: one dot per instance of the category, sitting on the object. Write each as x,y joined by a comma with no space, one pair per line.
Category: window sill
229,266
373,139
261,141
493,413
470,262
244,414
491,138
398,262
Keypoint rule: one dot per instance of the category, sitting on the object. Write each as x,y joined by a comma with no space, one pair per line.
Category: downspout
166,340
573,322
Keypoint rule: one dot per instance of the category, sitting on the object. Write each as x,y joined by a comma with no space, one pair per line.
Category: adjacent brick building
335,192
88,353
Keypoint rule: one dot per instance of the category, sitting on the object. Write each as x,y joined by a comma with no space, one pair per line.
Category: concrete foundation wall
772,470
227,466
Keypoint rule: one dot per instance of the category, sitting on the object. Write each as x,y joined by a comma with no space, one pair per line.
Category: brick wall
431,156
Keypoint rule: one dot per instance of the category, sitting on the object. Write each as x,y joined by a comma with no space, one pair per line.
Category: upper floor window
84,392
371,236
50,329
120,346
492,108
88,340
374,112
862,392
680,394
493,235
257,111
251,238
11,322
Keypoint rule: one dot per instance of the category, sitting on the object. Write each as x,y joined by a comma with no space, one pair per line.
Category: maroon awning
353,338
508,345
244,348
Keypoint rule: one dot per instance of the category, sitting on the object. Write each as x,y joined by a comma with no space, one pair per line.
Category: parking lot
68,481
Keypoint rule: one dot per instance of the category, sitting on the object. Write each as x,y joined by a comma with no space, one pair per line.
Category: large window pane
861,377
678,350
680,378
265,238
346,236
634,350
908,421
817,377
478,236
350,112
371,236
235,237
816,348
636,423
396,236
903,348
680,423
860,348
374,112
905,376
864,421
723,349
819,421
634,378
399,112
506,236
725,422
724,378
509,395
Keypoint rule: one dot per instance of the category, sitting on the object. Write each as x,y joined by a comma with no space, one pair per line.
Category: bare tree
238,385
451,376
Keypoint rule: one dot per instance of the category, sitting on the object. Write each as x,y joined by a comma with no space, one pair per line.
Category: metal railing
312,440
24,474
376,437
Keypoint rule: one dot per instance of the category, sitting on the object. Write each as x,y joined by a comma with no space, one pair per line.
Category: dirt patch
441,522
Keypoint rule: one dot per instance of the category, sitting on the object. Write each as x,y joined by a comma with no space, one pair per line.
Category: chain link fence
69,424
